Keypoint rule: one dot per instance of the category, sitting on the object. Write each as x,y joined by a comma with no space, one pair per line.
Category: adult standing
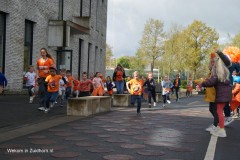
176,85
42,71
118,78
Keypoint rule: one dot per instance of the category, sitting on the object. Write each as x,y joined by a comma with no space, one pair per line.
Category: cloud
126,19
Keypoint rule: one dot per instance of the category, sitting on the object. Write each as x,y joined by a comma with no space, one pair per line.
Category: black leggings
213,110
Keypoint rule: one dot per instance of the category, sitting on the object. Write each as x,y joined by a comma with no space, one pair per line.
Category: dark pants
84,94
68,92
213,110
165,98
227,111
176,91
139,101
51,97
30,92
151,95
42,91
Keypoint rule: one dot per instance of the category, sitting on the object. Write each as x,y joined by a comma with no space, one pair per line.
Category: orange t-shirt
119,76
84,86
43,66
70,80
53,83
75,84
135,86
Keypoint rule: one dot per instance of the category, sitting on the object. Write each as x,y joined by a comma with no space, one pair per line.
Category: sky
126,19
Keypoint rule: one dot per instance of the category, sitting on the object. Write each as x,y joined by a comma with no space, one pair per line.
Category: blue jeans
51,97
139,101
119,86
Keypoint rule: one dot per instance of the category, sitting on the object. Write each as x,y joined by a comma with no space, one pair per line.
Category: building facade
73,32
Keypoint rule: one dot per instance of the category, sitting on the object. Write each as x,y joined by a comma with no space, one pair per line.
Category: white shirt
30,78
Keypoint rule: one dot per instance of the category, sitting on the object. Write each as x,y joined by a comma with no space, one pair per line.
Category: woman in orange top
42,71
118,78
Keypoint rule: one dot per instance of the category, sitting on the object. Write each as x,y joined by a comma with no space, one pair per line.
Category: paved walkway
174,133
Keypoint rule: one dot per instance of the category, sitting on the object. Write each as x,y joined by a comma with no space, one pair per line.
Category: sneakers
41,108
211,128
228,120
168,101
52,105
235,117
219,132
154,104
46,110
149,105
163,105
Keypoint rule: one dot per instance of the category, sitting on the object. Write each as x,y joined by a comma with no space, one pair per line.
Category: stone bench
121,100
87,106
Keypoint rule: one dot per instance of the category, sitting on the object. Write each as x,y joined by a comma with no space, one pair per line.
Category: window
89,53
80,57
2,40
81,8
28,44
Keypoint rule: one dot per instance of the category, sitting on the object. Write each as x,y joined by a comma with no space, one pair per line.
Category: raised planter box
87,106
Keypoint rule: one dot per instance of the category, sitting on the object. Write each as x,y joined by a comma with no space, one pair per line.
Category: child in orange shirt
75,92
69,84
98,86
135,90
53,88
84,86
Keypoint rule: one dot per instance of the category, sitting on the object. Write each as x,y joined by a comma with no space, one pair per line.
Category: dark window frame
4,40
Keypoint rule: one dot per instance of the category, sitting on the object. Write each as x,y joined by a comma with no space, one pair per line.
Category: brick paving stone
115,130
27,158
64,134
118,157
150,153
100,150
132,146
75,138
163,143
43,141
36,137
104,135
91,132
65,155
181,149
114,140
86,144
15,146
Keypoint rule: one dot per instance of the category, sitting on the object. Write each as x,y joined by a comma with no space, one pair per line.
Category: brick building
73,31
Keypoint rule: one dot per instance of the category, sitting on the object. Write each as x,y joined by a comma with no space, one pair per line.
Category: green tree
236,40
109,56
124,61
151,44
199,40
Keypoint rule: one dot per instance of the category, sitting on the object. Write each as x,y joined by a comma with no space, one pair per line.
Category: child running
136,91
62,86
166,88
69,84
53,88
151,85
30,78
